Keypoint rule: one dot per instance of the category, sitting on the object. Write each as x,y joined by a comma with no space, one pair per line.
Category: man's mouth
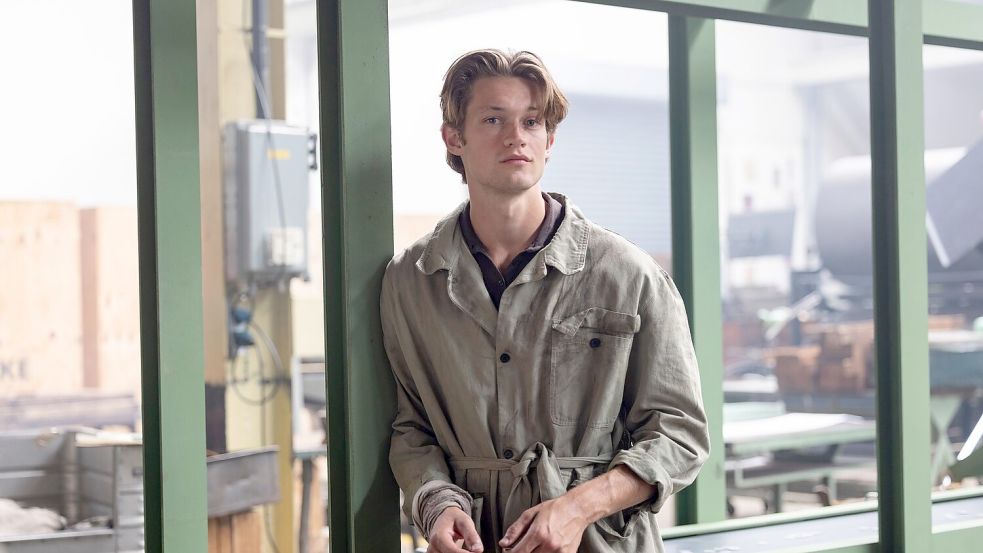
516,160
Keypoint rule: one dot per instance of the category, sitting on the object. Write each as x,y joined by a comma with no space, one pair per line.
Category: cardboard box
846,358
946,322
840,375
795,367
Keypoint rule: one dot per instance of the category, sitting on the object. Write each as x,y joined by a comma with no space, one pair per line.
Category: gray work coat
587,364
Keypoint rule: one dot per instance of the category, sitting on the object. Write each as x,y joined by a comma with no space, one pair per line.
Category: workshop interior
199,198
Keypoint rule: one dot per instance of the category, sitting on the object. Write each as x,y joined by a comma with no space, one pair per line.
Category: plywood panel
40,299
88,233
110,293
238,533
210,162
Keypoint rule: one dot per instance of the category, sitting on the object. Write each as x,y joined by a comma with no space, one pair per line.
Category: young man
548,394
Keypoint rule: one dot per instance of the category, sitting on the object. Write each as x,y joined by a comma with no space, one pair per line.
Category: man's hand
558,525
454,532
554,526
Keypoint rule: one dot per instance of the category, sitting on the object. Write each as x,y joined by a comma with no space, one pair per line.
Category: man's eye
532,122
492,120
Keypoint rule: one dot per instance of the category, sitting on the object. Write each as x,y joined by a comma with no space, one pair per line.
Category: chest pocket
588,361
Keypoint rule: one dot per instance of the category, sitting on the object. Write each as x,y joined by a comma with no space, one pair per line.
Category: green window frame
353,64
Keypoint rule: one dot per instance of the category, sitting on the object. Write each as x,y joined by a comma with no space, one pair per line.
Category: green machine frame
353,65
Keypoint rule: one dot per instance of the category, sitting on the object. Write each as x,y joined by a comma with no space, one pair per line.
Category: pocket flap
598,318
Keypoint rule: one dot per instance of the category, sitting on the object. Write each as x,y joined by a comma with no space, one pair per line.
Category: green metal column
171,328
900,274
695,238
953,23
356,187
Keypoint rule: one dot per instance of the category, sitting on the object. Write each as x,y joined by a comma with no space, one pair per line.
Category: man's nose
515,135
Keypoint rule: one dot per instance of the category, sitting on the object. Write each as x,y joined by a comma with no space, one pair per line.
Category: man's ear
452,139
549,143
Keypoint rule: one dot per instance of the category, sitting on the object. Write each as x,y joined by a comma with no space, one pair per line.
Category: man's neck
506,224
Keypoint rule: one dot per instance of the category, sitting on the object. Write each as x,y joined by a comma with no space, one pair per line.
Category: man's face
504,144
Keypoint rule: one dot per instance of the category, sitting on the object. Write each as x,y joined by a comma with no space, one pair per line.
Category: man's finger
518,528
528,542
472,541
444,543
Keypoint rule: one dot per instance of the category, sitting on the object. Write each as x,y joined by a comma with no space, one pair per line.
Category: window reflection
953,198
793,135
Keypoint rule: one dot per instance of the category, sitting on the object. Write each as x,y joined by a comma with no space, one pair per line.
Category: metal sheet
85,409
30,450
953,203
241,480
31,485
843,222
70,541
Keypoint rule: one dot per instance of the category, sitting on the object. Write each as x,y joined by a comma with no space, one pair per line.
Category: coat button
505,358
595,342
508,454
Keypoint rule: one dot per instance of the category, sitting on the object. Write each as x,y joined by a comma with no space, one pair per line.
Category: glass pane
794,166
953,163
265,376
611,152
308,388
69,316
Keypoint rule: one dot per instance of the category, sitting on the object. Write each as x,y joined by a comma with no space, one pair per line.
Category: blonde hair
467,69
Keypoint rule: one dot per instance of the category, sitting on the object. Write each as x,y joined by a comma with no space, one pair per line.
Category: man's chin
511,187
519,189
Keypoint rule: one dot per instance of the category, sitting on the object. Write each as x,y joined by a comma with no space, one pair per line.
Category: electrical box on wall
267,164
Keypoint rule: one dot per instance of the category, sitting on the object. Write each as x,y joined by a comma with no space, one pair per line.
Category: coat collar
567,251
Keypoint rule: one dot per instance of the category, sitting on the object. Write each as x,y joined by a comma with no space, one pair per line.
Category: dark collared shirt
495,281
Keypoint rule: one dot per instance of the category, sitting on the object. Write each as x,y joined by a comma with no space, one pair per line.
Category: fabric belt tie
538,459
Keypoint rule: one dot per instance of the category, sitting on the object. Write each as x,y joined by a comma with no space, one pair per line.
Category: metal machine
954,200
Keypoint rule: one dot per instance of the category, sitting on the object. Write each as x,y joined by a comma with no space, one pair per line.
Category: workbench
772,451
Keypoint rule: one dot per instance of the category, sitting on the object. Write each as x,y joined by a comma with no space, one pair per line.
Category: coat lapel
447,251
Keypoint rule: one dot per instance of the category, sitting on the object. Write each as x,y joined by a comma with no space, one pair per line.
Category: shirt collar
554,210
567,251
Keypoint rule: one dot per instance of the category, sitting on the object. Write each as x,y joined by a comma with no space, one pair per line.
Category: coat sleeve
414,454
663,402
